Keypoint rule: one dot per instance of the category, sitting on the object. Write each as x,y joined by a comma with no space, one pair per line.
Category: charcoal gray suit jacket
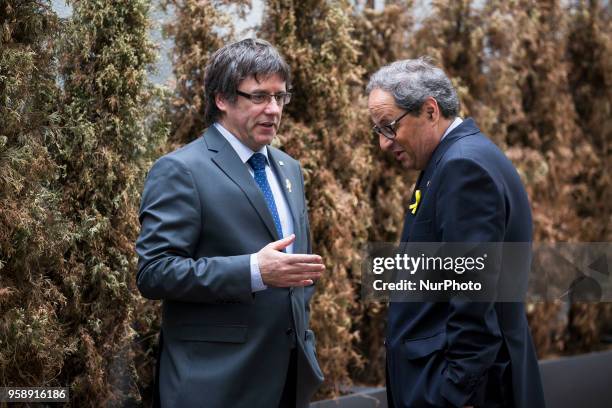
202,215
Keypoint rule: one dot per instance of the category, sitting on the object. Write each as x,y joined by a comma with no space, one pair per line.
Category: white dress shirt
284,213
450,128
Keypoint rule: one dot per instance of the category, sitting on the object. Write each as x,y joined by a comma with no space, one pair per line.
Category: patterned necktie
258,163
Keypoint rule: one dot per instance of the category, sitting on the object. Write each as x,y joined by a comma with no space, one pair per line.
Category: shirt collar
243,151
452,126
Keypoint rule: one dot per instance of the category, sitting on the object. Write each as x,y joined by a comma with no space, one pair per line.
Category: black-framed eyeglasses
282,98
389,129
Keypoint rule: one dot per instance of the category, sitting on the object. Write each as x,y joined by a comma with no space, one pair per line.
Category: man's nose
385,143
273,107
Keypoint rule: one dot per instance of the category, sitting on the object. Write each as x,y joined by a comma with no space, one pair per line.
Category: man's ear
432,110
221,102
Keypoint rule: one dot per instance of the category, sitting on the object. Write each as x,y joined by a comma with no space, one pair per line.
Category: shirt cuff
256,281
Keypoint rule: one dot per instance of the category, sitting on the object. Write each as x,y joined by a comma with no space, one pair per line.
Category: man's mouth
268,125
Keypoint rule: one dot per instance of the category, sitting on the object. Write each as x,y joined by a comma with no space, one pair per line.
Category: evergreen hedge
80,125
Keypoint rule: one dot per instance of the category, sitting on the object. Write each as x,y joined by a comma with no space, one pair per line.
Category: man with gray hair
225,244
456,353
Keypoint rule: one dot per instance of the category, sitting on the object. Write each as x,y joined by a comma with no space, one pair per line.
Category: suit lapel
229,162
409,217
466,128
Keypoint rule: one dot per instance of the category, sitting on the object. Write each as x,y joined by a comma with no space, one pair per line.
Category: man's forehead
381,104
380,96
259,80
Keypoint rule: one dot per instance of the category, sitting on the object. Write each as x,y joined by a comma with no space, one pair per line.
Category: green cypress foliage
74,144
33,231
112,129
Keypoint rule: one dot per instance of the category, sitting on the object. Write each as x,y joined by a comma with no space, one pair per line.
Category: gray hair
412,81
234,63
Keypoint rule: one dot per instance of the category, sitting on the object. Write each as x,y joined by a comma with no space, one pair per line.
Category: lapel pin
288,184
417,198
280,162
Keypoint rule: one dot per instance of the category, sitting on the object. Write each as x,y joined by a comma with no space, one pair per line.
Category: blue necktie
258,163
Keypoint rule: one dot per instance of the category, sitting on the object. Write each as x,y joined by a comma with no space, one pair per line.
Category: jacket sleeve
470,208
171,217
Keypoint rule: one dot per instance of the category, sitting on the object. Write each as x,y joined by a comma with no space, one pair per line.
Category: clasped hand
282,270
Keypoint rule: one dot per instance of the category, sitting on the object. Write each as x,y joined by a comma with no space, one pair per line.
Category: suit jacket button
289,331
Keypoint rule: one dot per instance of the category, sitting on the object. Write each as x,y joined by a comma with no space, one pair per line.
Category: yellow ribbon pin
417,200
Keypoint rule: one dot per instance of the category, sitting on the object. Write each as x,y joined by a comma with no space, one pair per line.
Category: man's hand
283,270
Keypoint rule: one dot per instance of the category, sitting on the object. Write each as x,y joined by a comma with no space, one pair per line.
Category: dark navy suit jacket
461,353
